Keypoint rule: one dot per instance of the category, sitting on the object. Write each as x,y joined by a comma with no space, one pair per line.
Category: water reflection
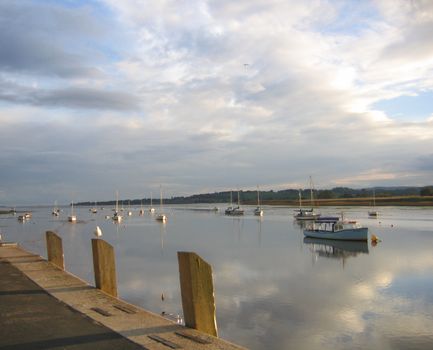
332,249
162,232
268,293
259,229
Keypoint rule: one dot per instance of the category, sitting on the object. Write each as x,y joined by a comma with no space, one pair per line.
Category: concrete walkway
32,319
43,307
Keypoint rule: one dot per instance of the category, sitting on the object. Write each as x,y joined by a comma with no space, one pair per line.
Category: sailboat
373,213
129,208
141,208
151,209
306,214
94,210
235,211
72,217
258,211
116,216
161,216
229,209
56,211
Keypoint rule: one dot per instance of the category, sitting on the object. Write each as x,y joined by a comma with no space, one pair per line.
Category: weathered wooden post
196,287
55,249
104,266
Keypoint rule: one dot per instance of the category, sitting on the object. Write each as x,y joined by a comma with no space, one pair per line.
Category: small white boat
94,210
56,210
141,208
151,209
306,214
350,230
22,218
237,211
234,211
373,213
116,216
229,209
72,218
129,212
258,211
161,216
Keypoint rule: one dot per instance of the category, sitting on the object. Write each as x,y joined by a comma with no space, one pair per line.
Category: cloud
41,39
166,90
78,97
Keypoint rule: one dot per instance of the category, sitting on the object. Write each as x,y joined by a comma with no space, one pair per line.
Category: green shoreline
409,201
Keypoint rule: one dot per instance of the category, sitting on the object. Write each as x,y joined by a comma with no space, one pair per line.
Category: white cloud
173,77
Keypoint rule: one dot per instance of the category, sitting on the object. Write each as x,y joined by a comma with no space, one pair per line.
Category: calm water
274,290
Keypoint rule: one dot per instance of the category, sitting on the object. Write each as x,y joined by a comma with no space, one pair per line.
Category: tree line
250,196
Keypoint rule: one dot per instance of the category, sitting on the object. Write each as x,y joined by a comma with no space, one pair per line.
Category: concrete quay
45,307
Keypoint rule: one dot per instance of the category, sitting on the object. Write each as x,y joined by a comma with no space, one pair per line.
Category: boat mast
160,197
311,192
300,199
258,196
117,201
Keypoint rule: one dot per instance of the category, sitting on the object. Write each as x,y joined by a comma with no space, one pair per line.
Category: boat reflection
336,249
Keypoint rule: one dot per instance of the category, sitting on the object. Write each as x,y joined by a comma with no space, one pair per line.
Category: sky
205,96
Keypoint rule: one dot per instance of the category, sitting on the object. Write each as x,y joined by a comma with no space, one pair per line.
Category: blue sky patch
408,108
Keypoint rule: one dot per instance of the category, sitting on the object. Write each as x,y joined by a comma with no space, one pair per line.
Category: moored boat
234,211
373,213
94,210
151,208
306,214
116,216
24,217
56,210
258,211
340,230
161,216
72,218
229,209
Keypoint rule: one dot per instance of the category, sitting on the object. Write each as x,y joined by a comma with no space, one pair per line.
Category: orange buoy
374,239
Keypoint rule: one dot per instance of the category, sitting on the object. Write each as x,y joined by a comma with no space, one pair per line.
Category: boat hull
307,217
161,217
355,234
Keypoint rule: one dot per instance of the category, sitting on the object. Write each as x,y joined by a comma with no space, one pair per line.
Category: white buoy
98,232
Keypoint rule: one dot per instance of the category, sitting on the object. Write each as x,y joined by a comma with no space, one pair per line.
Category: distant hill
340,195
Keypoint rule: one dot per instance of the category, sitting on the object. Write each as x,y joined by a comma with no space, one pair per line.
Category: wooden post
196,287
104,266
55,249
